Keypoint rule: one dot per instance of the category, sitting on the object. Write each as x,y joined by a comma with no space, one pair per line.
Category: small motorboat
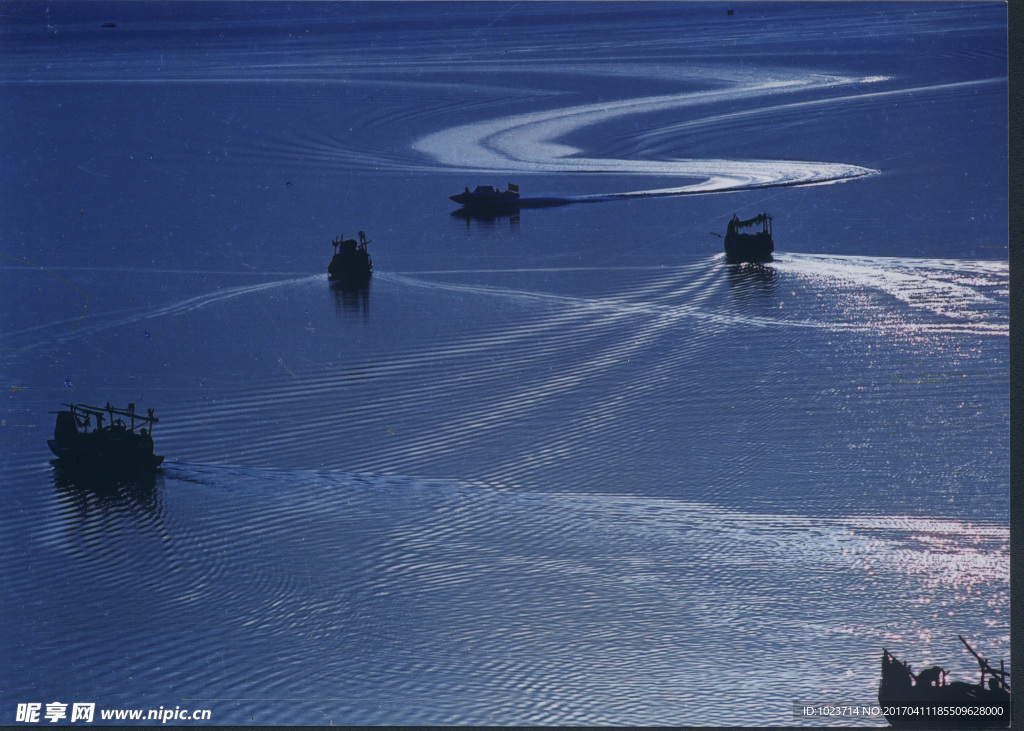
489,198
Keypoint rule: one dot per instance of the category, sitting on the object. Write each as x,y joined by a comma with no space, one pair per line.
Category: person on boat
931,676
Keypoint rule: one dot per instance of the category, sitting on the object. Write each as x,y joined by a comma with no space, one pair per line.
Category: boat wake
650,135
65,329
529,143
839,293
970,297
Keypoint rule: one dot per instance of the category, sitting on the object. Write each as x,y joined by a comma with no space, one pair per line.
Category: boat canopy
82,414
759,218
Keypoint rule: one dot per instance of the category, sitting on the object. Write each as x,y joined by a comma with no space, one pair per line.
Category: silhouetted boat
926,700
486,197
756,247
351,262
112,447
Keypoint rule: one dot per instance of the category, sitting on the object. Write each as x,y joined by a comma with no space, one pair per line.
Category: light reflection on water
560,467
596,531
588,600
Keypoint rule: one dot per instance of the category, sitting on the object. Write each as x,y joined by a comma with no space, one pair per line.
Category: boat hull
947,707
350,268
908,702
488,203
750,248
485,198
103,456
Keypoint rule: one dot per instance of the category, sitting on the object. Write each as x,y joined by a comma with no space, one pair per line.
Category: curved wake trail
527,143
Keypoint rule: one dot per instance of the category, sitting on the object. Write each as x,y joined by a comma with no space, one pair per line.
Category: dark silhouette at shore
921,700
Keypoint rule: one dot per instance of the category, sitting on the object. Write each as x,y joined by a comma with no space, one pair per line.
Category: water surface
563,467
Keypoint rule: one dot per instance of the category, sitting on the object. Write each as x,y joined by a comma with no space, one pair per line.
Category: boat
927,700
489,198
81,439
755,248
351,262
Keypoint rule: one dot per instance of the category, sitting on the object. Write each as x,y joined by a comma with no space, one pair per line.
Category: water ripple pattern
591,391
496,604
563,465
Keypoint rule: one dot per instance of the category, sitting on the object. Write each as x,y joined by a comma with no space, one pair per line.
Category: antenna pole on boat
985,667
981,661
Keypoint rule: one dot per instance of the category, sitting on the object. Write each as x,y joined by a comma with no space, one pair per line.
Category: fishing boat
756,247
926,700
81,439
351,262
487,197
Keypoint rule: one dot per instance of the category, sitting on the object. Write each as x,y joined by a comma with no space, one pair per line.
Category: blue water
562,467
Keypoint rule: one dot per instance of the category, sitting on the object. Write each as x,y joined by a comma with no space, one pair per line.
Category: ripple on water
494,604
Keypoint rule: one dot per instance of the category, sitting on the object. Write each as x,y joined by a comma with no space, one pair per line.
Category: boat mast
1001,674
